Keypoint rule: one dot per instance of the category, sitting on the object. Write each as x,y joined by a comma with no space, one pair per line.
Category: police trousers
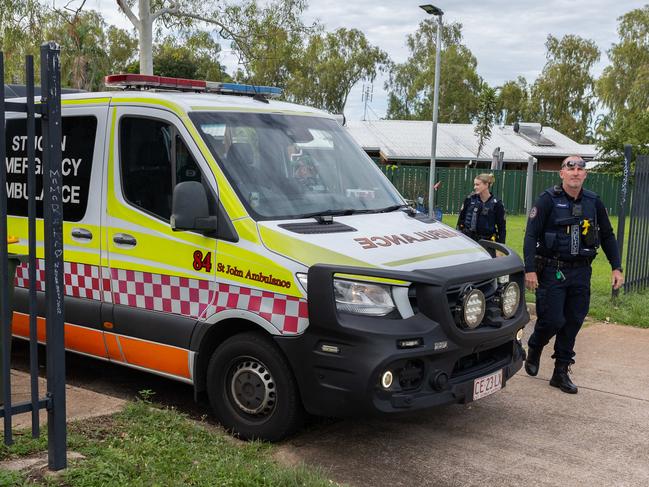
561,307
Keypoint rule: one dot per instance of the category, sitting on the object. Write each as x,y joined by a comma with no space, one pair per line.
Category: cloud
507,37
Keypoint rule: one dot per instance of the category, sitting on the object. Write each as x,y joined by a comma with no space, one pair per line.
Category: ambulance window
77,146
154,158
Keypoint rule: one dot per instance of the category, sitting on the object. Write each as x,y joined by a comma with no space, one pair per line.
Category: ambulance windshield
289,166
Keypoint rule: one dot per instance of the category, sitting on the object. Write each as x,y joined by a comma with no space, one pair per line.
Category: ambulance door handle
124,239
82,233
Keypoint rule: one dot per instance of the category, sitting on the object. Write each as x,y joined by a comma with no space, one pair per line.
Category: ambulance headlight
473,308
509,299
363,298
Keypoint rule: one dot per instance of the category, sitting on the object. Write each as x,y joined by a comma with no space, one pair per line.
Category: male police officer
564,229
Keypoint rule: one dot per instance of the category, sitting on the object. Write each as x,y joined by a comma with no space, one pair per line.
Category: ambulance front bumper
340,361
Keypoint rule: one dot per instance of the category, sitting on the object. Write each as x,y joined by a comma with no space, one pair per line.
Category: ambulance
247,246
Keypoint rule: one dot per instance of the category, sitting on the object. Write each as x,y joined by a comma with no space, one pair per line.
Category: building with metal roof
409,142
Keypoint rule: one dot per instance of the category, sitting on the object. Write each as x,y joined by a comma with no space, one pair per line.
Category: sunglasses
574,163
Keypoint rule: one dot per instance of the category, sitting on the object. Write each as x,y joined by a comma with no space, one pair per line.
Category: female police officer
564,229
482,216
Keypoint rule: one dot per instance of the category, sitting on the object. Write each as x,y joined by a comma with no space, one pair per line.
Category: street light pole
432,10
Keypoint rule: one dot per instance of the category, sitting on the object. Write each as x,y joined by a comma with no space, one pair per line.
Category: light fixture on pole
432,10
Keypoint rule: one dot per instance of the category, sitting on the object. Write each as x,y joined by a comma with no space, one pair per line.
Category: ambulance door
162,281
82,169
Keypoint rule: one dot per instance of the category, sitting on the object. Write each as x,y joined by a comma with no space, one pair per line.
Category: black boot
561,379
533,359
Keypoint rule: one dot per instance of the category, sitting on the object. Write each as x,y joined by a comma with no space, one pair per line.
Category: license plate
487,385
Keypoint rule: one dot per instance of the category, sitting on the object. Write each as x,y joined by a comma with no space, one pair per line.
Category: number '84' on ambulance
249,247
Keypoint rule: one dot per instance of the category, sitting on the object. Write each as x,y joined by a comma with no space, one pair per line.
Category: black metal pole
53,226
5,310
31,218
642,262
622,209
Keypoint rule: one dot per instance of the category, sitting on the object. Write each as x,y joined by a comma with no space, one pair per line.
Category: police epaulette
555,190
588,194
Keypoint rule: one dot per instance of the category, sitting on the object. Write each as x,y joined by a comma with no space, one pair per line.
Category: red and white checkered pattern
80,280
286,313
172,294
159,292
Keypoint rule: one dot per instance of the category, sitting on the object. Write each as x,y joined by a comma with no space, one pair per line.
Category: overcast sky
507,37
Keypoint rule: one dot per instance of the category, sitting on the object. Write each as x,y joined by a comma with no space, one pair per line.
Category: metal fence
457,183
49,110
637,257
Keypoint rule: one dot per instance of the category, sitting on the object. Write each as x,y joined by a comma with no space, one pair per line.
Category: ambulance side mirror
190,209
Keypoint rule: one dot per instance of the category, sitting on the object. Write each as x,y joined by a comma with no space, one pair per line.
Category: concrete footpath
80,403
527,434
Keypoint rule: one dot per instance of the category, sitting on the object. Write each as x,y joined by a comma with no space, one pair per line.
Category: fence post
529,184
53,222
622,207
5,313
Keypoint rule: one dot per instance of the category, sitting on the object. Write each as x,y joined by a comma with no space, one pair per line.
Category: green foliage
563,95
486,116
512,101
624,90
82,37
330,66
411,84
192,58
21,33
269,40
122,49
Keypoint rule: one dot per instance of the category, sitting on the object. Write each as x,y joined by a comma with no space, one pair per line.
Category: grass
147,446
628,309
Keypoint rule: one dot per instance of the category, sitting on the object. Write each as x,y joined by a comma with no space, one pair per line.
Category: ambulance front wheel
252,390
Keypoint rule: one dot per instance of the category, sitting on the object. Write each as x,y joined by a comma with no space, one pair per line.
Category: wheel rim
252,387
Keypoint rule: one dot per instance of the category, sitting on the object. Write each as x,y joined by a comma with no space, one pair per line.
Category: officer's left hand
617,279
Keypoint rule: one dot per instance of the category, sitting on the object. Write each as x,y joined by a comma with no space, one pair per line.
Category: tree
192,58
269,41
512,101
122,49
81,37
90,48
624,90
563,95
237,22
331,65
21,33
486,116
410,84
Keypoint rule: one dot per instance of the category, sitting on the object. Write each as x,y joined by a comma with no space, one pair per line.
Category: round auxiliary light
473,308
386,379
509,299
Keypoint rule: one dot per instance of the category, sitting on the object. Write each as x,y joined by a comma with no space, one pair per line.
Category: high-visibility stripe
163,358
148,355
77,338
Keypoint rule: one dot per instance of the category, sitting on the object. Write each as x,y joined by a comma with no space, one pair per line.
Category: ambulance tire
252,390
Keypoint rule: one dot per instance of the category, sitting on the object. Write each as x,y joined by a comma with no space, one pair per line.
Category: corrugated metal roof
411,139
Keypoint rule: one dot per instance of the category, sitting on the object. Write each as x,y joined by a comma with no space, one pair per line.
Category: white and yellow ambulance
249,247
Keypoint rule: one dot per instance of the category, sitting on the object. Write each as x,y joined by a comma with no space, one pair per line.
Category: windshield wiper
387,209
317,214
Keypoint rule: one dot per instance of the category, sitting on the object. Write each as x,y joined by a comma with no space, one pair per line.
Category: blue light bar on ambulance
147,81
237,89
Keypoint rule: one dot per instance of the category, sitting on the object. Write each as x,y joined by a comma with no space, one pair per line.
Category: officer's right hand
531,281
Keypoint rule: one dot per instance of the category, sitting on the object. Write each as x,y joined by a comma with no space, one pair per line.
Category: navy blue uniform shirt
538,220
491,224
